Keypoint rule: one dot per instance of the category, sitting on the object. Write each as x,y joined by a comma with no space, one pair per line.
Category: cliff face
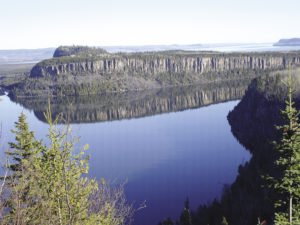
151,64
117,106
89,71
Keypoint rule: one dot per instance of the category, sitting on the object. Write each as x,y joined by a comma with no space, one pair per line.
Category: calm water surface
165,158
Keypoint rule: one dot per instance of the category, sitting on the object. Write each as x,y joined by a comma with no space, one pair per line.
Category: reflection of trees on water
117,106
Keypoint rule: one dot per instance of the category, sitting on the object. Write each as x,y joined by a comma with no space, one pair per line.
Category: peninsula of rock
79,70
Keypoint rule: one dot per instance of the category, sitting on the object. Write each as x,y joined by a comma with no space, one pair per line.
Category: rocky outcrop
117,106
174,62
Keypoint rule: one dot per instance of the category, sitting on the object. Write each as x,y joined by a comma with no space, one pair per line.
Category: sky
49,23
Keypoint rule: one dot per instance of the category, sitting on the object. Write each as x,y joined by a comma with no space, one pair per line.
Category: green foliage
286,181
49,183
25,145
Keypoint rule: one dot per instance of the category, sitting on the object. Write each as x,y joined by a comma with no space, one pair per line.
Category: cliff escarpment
77,70
170,62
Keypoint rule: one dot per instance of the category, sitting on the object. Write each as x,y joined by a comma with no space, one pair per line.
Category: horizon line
139,45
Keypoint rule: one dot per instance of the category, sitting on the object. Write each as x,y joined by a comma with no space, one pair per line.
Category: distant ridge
288,42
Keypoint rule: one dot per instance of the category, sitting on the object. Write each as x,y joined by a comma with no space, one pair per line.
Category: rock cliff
88,71
172,62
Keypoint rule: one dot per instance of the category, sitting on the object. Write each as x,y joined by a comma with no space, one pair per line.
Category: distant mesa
288,42
77,51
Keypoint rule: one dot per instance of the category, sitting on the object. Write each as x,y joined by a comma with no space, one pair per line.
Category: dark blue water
164,158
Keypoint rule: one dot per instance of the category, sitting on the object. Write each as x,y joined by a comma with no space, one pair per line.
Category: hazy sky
49,23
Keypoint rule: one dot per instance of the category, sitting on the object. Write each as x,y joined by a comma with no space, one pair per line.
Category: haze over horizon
40,24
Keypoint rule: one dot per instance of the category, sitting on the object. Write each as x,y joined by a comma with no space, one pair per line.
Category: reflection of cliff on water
117,106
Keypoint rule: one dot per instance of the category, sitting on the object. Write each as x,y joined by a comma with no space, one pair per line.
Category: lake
168,145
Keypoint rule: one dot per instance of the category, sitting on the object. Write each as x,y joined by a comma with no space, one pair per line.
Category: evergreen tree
185,218
62,189
52,186
20,156
25,145
286,181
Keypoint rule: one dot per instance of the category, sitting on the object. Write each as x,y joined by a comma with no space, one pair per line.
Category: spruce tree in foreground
15,180
25,145
50,185
286,181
